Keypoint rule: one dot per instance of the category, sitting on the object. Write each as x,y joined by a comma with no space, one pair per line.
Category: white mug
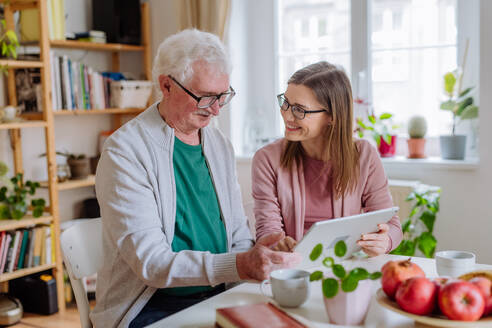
290,287
10,113
454,263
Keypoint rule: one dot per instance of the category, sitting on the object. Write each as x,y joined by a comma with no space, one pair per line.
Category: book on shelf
22,254
6,246
29,22
255,315
13,252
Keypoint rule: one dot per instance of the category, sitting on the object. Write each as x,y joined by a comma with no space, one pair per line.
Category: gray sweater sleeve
130,214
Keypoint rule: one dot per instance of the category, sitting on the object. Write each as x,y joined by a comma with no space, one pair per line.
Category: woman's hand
285,245
374,244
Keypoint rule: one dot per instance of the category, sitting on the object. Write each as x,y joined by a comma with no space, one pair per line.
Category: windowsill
401,162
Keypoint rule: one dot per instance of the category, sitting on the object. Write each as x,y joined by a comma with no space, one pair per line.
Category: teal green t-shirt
199,226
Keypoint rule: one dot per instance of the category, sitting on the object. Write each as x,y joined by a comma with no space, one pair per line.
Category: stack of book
26,248
78,86
89,36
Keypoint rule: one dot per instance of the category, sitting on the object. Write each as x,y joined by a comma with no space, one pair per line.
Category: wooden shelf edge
62,112
24,272
27,221
73,184
71,44
23,124
12,63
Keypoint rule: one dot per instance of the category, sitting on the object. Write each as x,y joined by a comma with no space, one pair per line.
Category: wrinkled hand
259,261
285,245
374,244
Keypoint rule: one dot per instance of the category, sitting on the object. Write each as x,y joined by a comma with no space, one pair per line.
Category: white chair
81,246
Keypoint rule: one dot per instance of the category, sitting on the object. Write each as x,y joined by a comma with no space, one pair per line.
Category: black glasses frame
295,109
232,93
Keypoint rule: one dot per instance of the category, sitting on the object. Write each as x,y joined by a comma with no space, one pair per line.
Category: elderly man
174,228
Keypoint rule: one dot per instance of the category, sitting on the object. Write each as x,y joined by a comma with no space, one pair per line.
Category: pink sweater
280,195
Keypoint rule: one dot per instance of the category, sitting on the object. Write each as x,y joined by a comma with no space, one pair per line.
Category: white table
202,315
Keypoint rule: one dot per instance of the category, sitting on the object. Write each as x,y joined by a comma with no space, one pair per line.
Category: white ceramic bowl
454,263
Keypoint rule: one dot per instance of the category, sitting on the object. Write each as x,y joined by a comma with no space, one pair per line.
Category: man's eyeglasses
297,111
207,101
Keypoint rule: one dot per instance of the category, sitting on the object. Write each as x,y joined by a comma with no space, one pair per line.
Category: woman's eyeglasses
297,111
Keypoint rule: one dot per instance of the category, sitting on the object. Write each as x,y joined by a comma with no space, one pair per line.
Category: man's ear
164,84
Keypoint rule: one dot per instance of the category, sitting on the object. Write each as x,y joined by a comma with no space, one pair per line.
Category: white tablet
348,229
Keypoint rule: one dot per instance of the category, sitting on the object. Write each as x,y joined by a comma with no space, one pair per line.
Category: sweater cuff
224,269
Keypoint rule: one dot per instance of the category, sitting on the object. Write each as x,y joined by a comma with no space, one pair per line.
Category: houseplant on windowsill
349,305
417,128
382,131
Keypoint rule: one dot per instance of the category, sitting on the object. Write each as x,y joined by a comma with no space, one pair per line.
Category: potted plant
13,196
79,165
382,131
419,226
460,103
349,305
417,128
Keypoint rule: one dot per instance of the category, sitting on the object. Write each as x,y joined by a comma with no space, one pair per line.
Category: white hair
177,53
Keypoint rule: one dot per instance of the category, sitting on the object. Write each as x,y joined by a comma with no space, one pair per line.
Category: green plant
9,44
419,226
13,202
347,281
71,155
377,127
417,127
460,103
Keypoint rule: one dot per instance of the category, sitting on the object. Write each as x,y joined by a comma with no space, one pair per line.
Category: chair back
81,246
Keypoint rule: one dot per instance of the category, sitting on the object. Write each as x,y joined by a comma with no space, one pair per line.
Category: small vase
416,148
350,308
386,150
453,146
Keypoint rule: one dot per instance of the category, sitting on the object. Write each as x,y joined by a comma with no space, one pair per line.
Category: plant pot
79,168
453,146
416,148
350,308
386,150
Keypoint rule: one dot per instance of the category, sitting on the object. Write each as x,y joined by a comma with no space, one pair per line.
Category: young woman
318,171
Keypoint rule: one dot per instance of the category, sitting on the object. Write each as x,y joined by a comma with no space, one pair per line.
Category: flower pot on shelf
386,150
416,148
79,168
350,308
453,146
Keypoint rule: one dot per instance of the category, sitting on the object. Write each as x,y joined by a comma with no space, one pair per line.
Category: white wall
80,134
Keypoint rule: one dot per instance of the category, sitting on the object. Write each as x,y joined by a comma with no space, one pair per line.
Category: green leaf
361,134
449,82
427,244
4,49
17,215
448,105
414,211
361,124
316,275
470,112
359,273
330,287
316,252
411,196
385,116
372,119
388,139
38,211
406,225
339,271
11,36
465,92
328,262
340,248
4,211
375,275
406,248
349,284
462,105
428,218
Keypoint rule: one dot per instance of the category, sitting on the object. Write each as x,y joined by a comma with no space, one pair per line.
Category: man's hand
259,261
374,244
285,245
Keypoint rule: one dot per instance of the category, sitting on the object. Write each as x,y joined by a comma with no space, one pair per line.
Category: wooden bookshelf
73,184
20,125
26,221
63,112
21,63
71,44
24,272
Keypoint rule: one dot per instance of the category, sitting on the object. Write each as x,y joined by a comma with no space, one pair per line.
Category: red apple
485,286
461,300
417,295
395,272
488,307
439,282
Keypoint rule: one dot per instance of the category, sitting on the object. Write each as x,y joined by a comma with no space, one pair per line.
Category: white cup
290,287
10,113
454,263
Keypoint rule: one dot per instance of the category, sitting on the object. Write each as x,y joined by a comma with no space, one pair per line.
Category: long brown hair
332,89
